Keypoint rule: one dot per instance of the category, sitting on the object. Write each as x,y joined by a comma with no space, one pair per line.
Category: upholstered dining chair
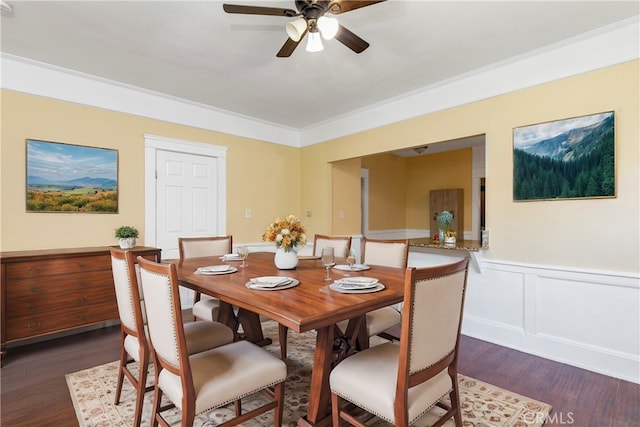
387,253
341,244
204,306
214,378
200,336
399,382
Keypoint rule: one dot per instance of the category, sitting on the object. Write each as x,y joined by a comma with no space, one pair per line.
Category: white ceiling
192,50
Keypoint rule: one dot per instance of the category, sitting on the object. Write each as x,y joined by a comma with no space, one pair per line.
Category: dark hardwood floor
34,391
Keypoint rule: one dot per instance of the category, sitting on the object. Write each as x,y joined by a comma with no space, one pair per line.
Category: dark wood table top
310,305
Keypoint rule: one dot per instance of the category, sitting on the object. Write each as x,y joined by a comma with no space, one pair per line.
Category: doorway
185,194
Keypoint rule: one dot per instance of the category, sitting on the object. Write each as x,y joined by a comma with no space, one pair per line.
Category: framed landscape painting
565,159
71,178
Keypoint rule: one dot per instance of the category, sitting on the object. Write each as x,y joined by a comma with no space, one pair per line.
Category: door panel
187,197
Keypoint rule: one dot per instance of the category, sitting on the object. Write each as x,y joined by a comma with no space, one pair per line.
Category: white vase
286,260
128,243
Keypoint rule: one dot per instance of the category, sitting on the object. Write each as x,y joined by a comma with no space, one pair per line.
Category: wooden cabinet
48,291
451,200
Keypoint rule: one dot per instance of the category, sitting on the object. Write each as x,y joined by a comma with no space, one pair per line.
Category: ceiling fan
311,19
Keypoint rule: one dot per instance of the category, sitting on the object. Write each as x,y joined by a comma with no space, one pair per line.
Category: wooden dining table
311,305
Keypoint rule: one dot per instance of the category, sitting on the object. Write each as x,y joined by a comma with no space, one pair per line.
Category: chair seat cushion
206,309
225,374
203,335
368,379
378,320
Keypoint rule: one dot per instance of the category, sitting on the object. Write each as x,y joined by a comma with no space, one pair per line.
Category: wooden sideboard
49,291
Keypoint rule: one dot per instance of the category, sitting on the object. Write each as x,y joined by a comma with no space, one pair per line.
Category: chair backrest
341,245
386,253
196,247
164,315
430,331
129,295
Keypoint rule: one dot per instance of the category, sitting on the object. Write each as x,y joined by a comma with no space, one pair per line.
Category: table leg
252,327
319,410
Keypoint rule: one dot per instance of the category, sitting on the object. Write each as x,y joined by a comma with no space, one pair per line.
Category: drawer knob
82,300
33,270
81,317
32,307
34,326
82,265
34,288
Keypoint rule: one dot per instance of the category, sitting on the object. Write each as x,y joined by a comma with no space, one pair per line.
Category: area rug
483,405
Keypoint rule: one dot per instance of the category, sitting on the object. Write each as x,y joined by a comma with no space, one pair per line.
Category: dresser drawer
47,267
42,303
37,324
59,283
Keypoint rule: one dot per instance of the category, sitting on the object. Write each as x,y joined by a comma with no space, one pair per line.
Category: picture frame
565,159
70,178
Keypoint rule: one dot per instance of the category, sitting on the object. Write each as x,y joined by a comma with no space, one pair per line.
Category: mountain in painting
573,144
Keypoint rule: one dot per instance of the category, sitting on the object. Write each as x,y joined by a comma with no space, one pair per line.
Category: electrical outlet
309,214
341,215
247,213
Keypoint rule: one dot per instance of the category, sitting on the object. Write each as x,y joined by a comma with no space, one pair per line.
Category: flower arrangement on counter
444,219
287,233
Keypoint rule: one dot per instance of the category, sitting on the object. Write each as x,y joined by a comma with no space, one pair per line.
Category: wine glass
328,259
351,259
243,252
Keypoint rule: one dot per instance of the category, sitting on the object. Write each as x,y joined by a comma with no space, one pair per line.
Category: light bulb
295,29
328,27
314,44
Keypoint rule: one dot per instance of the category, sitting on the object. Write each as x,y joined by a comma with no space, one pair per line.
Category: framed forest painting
565,159
71,178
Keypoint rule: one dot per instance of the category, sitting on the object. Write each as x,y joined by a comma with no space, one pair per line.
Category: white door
185,194
186,190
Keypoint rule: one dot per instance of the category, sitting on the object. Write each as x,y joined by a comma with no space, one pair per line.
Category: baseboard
596,359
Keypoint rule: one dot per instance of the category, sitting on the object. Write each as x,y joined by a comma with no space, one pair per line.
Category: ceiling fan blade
289,46
350,40
341,6
258,10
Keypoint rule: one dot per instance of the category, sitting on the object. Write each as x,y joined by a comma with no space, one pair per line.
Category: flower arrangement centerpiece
444,219
287,233
448,235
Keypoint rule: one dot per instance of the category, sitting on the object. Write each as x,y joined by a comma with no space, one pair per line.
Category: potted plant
127,236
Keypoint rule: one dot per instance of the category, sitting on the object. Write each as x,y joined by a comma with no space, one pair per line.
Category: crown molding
601,48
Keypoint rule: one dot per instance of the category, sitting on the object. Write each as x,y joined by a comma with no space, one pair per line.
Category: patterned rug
483,405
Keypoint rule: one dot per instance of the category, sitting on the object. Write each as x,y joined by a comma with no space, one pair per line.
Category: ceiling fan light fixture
296,28
314,42
328,27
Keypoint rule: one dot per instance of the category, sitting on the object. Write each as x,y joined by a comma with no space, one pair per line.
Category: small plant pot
128,243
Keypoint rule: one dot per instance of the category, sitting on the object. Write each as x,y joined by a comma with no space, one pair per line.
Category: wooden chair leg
282,337
279,410
123,364
140,390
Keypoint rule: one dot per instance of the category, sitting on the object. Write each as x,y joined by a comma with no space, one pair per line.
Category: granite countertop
465,245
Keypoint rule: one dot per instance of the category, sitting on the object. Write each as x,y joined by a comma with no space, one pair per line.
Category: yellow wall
387,191
345,196
275,180
570,233
261,176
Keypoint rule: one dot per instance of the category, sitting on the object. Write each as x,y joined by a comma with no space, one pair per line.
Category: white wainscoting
585,319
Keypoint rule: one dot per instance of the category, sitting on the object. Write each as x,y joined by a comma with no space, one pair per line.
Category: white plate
211,273
231,257
214,268
270,287
356,282
356,267
335,286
